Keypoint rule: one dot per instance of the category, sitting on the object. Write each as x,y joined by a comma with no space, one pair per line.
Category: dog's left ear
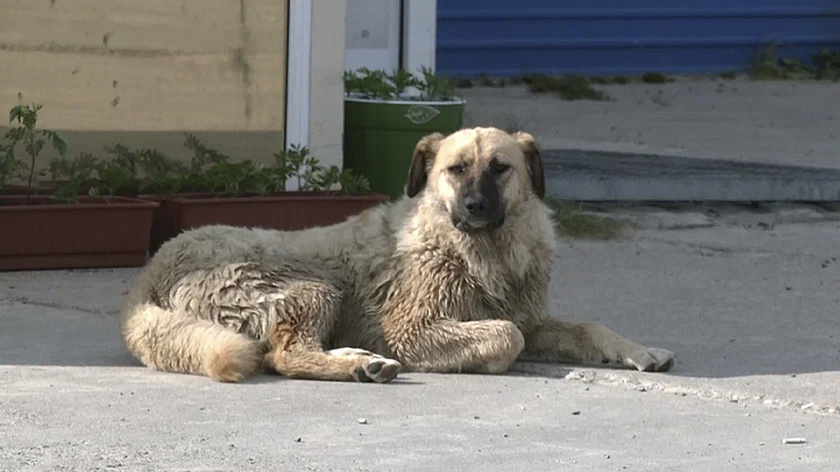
533,161
424,157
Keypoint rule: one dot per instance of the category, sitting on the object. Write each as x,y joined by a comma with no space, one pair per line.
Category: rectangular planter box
288,211
91,233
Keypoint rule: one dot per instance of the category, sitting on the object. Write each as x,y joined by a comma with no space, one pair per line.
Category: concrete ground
751,311
773,122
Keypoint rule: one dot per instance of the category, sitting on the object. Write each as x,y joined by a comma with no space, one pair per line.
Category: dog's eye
457,169
499,169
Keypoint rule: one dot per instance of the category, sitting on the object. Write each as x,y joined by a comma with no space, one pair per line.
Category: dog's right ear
421,163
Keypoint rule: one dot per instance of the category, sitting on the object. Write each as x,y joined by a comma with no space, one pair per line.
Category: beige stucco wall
143,72
326,119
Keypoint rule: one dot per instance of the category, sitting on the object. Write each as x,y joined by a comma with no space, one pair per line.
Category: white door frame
298,80
419,34
298,83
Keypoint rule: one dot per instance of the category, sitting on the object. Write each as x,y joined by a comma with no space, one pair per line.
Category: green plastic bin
380,136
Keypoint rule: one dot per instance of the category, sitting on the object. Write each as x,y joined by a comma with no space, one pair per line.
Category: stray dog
453,277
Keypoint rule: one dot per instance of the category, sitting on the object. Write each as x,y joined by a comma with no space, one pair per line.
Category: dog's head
477,174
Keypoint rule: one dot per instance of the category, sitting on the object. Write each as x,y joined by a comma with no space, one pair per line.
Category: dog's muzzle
477,213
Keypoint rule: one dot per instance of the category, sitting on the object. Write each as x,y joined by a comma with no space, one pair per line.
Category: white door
373,34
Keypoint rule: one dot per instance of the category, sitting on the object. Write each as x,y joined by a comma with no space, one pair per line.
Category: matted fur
407,285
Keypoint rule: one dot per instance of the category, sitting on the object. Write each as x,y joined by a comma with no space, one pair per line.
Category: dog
452,277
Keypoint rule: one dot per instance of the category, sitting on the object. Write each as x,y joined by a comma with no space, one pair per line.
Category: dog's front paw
650,359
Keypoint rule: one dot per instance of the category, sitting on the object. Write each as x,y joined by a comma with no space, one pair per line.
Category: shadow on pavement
44,333
44,336
41,336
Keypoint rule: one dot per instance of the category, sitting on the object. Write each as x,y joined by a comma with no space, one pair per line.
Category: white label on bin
420,114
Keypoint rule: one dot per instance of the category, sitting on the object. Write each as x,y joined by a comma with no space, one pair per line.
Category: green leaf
57,141
353,184
202,155
16,113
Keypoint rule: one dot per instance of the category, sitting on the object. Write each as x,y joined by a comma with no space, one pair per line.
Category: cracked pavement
751,313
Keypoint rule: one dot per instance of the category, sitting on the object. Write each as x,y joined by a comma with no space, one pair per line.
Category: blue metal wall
507,37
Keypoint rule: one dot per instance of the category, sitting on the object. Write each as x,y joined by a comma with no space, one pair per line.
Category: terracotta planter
42,189
92,233
286,211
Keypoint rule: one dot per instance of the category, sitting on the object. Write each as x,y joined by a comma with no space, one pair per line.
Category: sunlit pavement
753,316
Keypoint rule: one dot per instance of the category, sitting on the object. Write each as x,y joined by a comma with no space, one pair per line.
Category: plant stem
31,169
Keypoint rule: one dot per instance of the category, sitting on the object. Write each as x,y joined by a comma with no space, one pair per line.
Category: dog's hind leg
284,315
346,364
291,311
306,314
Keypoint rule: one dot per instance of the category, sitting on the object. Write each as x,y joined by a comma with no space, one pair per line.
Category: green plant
353,184
10,168
33,140
794,69
603,80
377,84
85,174
166,184
143,161
115,179
127,173
462,82
827,64
202,155
568,87
151,171
765,64
299,164
237,178
654,78
294,163
433,87
402,80
574,220
74,174
131,171
370,84
212,171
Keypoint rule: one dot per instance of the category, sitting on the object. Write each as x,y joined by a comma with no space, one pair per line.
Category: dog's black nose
475,205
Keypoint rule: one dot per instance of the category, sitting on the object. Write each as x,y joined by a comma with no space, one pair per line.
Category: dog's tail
175,342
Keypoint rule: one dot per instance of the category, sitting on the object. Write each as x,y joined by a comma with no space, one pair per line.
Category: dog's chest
476,288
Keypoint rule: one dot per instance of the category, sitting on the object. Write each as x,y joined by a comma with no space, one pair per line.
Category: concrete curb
616,176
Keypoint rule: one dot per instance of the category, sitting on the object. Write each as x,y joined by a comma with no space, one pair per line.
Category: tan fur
399,286
191,345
